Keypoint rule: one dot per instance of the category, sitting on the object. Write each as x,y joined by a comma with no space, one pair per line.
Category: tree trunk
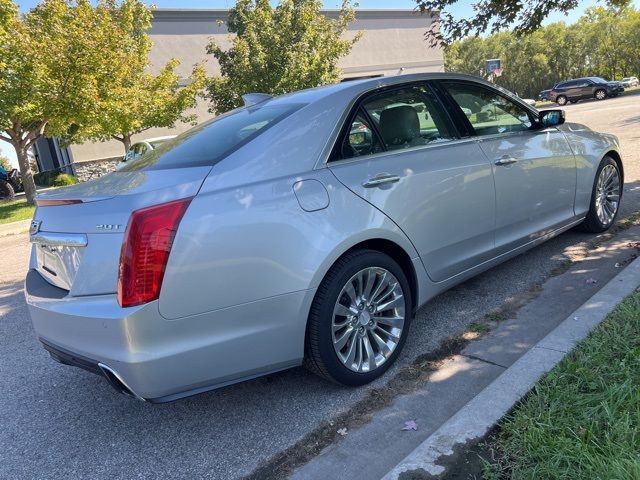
126,140
25,172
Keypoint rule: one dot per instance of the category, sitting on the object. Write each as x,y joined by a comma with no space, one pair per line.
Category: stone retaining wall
86,171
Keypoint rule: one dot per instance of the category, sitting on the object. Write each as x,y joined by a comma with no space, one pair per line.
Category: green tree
604,42
139,101
278,49
56,59
491,16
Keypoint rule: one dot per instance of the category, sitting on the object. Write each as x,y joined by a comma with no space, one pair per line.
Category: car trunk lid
77,232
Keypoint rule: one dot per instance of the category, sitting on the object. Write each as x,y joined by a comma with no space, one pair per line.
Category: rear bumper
93,366
159,360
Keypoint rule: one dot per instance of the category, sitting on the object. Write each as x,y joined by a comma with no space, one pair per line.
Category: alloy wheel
608,191
601,94
368,319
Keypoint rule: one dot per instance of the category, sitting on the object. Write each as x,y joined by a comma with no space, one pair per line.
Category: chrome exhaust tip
117,382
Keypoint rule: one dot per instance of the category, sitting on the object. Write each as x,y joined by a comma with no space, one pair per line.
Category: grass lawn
14,211
582,420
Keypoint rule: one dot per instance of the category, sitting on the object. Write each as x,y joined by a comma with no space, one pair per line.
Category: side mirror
551,118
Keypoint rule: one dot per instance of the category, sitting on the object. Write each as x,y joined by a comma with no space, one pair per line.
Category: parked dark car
544,95
583,88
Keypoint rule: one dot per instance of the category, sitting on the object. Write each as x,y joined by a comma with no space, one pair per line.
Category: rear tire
602,210
6,191
358,347
561,100
600,94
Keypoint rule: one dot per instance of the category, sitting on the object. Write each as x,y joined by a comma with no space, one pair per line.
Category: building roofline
204,13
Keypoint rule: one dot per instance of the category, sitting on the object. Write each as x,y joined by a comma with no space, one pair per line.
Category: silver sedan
305,229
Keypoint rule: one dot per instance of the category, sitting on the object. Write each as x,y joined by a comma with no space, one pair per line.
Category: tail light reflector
145,251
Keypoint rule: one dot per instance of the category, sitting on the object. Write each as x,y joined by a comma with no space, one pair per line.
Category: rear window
210,142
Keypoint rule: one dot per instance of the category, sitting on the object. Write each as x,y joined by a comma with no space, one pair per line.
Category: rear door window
397,119
210,142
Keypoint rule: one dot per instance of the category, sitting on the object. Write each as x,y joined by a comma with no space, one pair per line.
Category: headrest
399,125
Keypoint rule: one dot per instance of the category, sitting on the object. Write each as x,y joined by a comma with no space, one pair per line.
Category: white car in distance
140,148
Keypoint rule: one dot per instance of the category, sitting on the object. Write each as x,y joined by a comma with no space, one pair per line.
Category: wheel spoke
351,352
371,357
395,322
383,296
343,311
359,287
380,286
368,284
351,293
388,334
359,355
391,303
342,341
382,345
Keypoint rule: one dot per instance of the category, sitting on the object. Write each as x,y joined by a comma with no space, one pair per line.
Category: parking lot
61,422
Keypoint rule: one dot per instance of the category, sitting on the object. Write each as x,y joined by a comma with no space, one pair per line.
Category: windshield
210,142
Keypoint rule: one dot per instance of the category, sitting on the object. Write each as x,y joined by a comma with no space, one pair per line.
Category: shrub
45,179
64,180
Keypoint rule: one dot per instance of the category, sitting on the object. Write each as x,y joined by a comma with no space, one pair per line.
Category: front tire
600,94
359,319
561,100
605,197
6,191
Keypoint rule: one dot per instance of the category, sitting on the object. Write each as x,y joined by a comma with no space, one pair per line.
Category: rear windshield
210,142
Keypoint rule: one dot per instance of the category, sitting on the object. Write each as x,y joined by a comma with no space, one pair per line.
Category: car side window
394,120
361,138
489,112
408,117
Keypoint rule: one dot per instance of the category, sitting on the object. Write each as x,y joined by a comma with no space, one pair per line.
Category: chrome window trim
374,156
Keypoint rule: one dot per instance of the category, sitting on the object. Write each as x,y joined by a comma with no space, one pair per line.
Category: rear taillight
145,251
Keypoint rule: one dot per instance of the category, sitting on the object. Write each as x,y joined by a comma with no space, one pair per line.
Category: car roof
356,87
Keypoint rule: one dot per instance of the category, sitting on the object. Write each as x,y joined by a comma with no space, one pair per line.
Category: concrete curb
14,228
478,416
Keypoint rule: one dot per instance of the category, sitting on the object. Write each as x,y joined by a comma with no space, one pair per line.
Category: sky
459,9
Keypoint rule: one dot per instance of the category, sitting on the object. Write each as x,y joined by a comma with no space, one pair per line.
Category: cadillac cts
305,229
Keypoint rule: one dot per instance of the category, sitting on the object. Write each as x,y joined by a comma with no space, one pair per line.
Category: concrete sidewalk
472,389
476,418
14,228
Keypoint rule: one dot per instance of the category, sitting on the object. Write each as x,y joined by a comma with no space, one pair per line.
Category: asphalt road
60,422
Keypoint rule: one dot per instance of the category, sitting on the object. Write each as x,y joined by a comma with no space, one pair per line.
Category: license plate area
58,257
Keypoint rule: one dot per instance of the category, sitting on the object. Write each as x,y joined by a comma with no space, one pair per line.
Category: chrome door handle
506,161
381,180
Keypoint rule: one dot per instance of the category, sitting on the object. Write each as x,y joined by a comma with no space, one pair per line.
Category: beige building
392,42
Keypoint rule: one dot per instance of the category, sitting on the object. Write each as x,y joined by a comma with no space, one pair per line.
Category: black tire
592,223
320,355
6,191
600,94
562,100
